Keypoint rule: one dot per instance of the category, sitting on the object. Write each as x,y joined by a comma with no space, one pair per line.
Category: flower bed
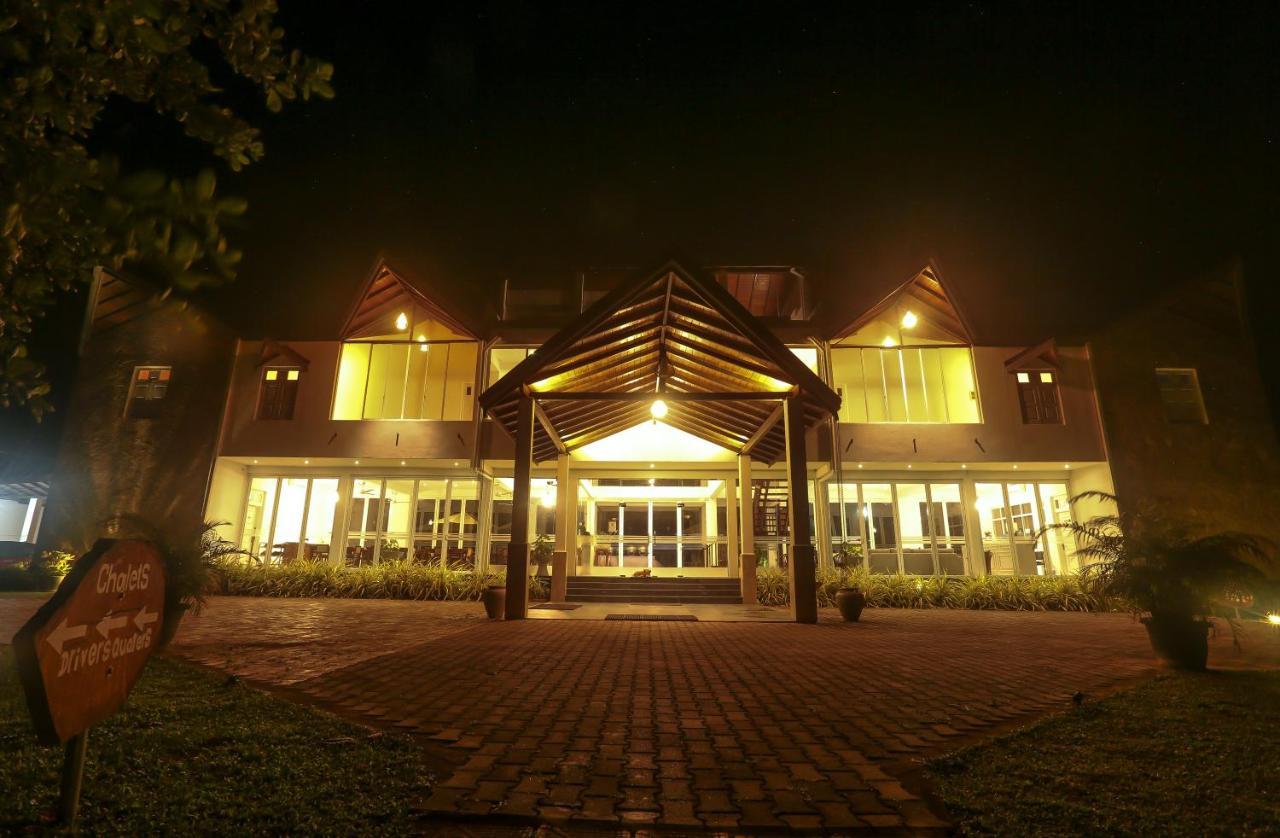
389,580
1002,593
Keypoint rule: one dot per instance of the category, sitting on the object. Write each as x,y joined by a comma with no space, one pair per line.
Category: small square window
1024,378
279,393
1181,397
147,390
1046,378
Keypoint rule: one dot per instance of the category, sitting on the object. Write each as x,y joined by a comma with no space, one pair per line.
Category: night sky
1058,162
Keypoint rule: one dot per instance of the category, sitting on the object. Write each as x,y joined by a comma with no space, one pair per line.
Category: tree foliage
65,209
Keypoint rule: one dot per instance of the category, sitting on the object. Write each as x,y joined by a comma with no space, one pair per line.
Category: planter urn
850,601
1181,642
495,601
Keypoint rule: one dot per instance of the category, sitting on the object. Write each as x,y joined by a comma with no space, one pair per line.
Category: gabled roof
386,291
671,331
926,294
274,352
1042,356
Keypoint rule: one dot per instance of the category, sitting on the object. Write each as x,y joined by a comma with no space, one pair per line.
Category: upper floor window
1038,397
905,384
503,359
417,368
147,390
1180,395
279,393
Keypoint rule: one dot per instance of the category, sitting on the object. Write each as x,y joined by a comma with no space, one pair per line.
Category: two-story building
929,449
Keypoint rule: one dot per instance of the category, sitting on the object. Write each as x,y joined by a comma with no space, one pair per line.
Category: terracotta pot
850,601
1181,642
495,601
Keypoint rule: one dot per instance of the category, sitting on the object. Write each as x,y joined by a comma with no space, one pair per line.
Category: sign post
81,653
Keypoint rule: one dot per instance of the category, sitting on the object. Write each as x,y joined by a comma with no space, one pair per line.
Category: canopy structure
671,335
677,337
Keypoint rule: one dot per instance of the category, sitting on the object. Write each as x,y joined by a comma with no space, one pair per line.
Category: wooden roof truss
674,335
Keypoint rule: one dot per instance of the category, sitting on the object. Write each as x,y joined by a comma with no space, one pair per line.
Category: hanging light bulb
549,495
402,321
909,320
658,409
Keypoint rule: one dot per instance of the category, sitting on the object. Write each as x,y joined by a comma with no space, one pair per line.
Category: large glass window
289,518
406,380
503,359
1011,516
913,528
905,384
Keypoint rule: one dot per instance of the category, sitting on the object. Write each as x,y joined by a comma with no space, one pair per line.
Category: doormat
558,606
655,618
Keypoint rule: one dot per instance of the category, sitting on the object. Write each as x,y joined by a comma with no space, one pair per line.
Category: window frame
165,376
1196,389
1038,388
901,384
292,393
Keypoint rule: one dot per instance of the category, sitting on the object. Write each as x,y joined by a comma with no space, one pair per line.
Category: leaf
206,183
274,103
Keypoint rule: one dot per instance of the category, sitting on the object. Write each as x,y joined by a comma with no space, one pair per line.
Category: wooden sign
82,652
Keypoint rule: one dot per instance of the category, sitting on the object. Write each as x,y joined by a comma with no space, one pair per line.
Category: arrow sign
109,624
63,633
145,618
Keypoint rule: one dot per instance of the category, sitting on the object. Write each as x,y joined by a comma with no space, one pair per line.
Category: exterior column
566,532
518,551
731,524
822,523
801,569
748,556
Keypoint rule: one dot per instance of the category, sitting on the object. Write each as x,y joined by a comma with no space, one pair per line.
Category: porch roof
672,334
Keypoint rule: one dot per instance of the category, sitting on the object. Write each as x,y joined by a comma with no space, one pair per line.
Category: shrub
388,580
1003,593
41,574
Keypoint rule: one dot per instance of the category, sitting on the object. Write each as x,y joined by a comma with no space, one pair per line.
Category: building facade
946,455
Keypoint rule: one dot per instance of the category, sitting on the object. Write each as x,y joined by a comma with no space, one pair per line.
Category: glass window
503,359
257,518
882,530
406,380
321,510
690,519
915,529
1059,553
362,521
636,520
147,391
905,384
948,527
997,559
808,355
1181,397
664,521
289,511
608,519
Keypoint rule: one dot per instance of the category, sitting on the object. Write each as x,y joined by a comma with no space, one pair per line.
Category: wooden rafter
669,334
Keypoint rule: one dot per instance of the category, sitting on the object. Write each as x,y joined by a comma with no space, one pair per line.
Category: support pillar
748,556
518,551
731,524
566,532
802,567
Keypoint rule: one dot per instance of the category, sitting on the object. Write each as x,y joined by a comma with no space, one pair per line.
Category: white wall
13,513
227,496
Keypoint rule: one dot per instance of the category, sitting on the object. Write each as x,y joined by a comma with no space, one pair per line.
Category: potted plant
540,552
1166,575
494,598
851,600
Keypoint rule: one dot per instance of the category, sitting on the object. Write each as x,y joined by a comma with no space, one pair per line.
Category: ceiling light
658,409
357,462
1273,619
255,462
549,495
909,320
306,462
402,321
652,481
650,464
859,465
402,462
908,465
422,343
888,343
1068,465
1015,466
964,465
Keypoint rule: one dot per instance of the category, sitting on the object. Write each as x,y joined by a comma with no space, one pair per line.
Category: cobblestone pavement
737,726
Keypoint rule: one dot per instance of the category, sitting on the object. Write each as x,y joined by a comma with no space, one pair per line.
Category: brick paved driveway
744,725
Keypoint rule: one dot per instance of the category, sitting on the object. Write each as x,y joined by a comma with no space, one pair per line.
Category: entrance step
655,590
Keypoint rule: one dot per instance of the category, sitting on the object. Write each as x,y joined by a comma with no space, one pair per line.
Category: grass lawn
1188,754
193,753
